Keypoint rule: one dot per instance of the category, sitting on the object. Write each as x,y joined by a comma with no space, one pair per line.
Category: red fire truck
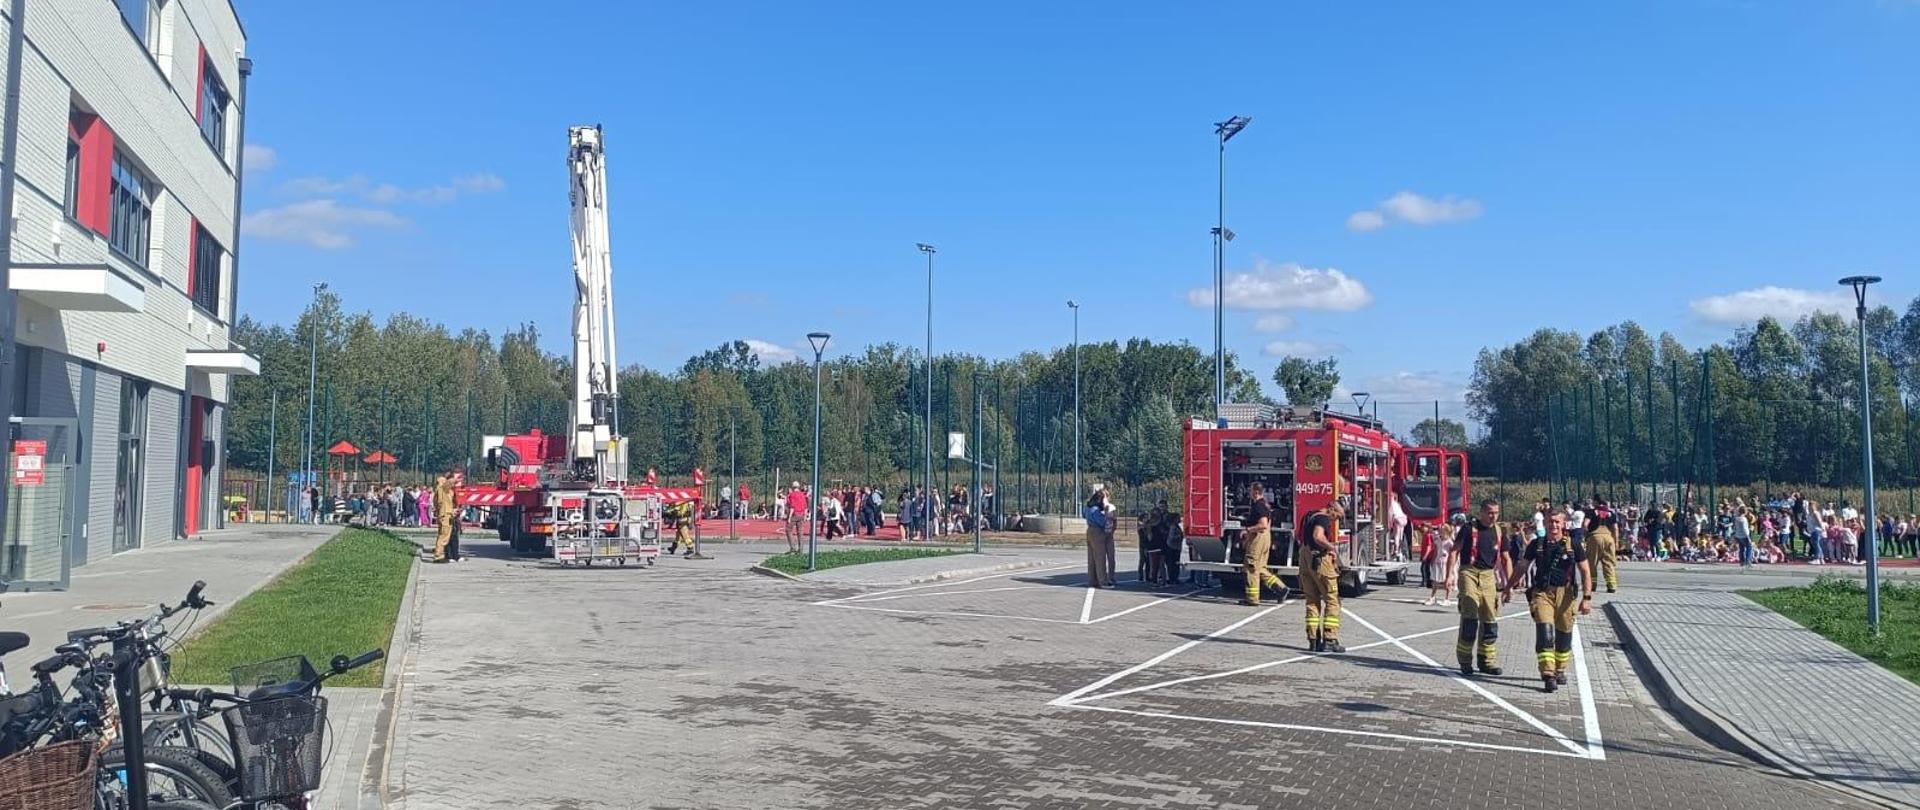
524,500
1307,458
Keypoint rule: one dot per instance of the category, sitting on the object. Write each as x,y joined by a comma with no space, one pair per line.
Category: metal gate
36,551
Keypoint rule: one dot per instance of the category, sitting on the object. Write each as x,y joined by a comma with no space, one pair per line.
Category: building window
132,213
213,109
206,271
130,467
143,16
72,205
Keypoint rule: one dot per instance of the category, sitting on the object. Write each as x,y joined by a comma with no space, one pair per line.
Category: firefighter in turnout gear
1561,587
1320,578
1603,532
682,516
1257,544
1482,556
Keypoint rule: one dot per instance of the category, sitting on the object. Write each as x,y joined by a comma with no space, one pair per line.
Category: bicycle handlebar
341,664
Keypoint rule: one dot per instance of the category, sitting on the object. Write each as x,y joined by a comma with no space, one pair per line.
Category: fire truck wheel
1397,577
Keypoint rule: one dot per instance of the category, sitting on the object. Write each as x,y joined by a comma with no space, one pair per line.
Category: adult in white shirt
1849,514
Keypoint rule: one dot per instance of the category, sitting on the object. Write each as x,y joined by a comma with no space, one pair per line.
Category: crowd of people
1792,529
919,513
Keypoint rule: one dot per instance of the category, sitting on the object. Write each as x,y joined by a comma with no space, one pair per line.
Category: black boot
1490,669
1466,669
1551,684
1332,646
1560,678
1315,645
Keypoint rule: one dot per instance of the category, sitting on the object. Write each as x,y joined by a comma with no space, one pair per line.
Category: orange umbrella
380,457
343,448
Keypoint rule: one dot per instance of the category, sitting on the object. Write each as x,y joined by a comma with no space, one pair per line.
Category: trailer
1306,459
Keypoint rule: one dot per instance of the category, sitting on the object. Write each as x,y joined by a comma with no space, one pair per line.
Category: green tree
1442,433
1307,382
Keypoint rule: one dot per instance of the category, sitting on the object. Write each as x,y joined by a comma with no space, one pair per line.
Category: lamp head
1231,127
924,247
819,342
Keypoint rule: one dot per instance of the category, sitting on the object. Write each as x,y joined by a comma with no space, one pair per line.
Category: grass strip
796,562
342,600
1836,607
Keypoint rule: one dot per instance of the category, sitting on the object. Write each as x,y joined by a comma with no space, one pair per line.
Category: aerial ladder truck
573,497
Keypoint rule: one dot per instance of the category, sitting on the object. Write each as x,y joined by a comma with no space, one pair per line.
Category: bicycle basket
278,745
54,777
278,673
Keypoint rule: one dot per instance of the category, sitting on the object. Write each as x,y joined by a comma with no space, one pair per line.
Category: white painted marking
1083,619
942,584
1070,697
954,613
33,614
1477,688
1382,735
864,600
1086,606
1257,667
1595,749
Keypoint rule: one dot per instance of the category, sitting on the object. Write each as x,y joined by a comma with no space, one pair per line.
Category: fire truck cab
1306,459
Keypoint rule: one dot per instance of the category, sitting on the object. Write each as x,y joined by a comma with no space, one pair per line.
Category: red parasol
380,457
343,448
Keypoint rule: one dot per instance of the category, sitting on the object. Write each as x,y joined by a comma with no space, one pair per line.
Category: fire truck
1306,459
568,495
521,508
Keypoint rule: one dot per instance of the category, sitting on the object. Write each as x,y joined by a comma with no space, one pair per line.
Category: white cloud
1302,348
771,354
1406,398
1288,286
259,157
1418,210
1785,304
388,193
1275,322
1414,209
323,223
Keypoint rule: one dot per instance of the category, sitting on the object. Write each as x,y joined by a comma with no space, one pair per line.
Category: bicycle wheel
173,774
207,741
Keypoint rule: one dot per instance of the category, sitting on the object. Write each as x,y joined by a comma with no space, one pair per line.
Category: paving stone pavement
1785,692
233,561
697,685
948,567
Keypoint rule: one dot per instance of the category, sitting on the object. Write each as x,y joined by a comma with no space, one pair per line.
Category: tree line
426,394
1778,402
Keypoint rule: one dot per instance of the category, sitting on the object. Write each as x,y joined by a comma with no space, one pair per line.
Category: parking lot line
1084,613
863,600
927,585
1496,700
1257,667
1086,606
1346,731
1595,748
951,613
1069,698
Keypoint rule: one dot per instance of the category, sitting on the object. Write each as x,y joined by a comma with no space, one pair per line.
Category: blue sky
1420,179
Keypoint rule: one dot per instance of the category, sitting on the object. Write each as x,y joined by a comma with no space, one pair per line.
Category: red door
196,464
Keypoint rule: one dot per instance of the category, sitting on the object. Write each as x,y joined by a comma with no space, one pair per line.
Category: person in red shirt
796,512
745,504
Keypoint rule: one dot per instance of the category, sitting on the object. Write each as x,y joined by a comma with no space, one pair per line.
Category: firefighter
682,516
1258,544
1320,578
1481,553
1560,586
444,515
1603,531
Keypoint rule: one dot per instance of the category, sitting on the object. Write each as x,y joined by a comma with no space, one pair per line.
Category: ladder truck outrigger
572,497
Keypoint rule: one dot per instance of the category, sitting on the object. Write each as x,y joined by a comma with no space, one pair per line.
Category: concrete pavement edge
1709,725
373,772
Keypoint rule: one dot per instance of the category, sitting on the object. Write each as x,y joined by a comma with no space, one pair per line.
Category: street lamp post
928,249
733,483
1869,546
1224,130
1078,492
819,341
313,376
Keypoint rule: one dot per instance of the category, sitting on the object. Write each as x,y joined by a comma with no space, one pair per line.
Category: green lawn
341,600
796,562
1836,607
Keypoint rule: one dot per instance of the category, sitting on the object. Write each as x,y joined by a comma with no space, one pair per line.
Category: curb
769,572
1715,729
1019,565
373,774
